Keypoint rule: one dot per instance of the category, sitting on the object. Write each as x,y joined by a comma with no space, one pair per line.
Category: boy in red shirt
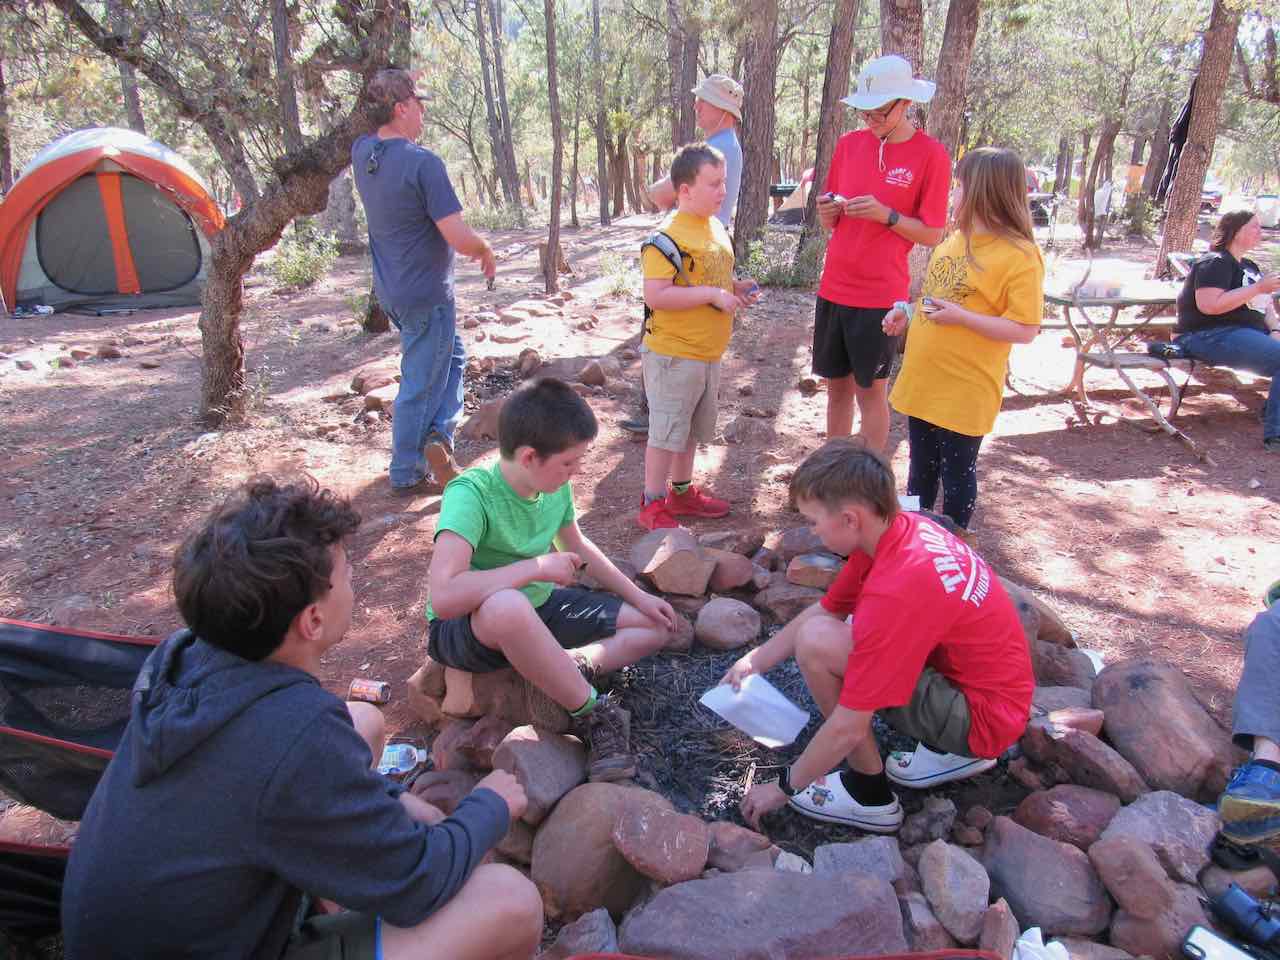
935,644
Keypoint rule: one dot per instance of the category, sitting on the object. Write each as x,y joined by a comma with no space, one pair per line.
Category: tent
106,217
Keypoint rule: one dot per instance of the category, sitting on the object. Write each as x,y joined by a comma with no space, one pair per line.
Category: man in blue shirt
415,225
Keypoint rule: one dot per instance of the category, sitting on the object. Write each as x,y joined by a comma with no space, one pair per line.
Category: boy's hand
866,207
559,568
761,799
828,210
508,788
895,321
724,300
748,291
738,672
656,609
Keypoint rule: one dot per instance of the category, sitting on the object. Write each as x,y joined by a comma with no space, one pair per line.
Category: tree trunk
758,121
499,75
6,155
675,70
1159,150
1184,195
289,119
618,172
551,277
689,76
947,106
902,31
636,183
1139,148
577,129
602,159
510,190
835,84
117,21
1092,226
1085,137
1062,168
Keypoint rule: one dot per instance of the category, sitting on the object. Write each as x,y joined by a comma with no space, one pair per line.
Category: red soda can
370,691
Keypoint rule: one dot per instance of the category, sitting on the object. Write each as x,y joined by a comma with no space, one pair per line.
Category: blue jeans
1246,349
429,402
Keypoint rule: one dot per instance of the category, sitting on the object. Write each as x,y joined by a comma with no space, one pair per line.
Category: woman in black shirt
1216,323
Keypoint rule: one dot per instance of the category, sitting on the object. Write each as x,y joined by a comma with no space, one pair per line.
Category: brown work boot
608,735
439,455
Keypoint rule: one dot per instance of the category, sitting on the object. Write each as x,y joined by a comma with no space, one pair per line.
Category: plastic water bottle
401,759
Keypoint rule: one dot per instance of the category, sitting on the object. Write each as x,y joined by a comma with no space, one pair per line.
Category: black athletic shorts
851,340
575,616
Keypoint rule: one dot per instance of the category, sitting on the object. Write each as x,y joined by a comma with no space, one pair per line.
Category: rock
1133,875
1086,759
978,816
108,351
966,835
732,570
548,765
687,605
1070,813
767,914
663,845
957,888
760,577
924,931
376,375
1023,774
746,390
144,364
870,856
817,570
745,542
731,846
477,694
517,845
1049,625
1046,883
1154,720
999,930
590,934
1057,698
593,374
23,364
746,430
483,424
673,562
444,788
479,743
1079,948
726,624
383,398
1078,718
80,353
71,610
1259,882
576,866
429,679
808,386
1057,666
444,749
507,337
1179,831
529,363
932,822
1160,937
786,601
764,557
797,540
426,706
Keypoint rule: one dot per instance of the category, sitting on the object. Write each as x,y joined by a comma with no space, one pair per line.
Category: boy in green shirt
499,597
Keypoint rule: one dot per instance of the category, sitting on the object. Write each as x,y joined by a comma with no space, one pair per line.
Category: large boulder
1155,721
1159,937
576,865
870,856
957,888
1050,627
786,601
665,846
1048,699
548,765
726,624
1177,829
1059,666
767,914
673,562
1047,884
1071,813
732,570
1134,875
1083,758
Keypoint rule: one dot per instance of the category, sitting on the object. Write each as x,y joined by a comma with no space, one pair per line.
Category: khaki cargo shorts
683,397
938,714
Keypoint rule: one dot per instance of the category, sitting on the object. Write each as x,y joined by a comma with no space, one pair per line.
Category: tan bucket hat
721,91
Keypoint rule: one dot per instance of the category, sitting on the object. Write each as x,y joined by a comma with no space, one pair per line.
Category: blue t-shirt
404,197
726,141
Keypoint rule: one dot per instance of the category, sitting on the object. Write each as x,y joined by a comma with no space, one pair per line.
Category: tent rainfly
106,217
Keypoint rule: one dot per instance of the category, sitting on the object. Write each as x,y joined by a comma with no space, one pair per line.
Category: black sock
1269,764
869,789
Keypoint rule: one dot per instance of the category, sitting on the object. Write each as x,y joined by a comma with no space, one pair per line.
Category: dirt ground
1144,549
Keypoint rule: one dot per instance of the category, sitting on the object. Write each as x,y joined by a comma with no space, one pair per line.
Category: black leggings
939,454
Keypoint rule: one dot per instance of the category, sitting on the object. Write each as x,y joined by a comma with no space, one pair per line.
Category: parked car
1210,197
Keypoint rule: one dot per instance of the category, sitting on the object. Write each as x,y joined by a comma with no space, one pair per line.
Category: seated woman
1216,323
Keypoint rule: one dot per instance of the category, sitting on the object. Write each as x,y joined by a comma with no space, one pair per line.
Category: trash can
1267,207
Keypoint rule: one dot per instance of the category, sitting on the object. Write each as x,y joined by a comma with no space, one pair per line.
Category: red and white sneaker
694,503
655,516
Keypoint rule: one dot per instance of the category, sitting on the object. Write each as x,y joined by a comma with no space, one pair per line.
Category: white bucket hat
721,91
886,79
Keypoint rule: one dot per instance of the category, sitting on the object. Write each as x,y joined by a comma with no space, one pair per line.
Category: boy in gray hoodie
242,788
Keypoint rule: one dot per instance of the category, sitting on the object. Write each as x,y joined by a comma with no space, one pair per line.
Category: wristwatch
894,217
784,782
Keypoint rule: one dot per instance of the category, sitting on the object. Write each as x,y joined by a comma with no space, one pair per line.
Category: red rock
797,540
529,363
479,743
1177,829
375,375
786,601
681,639
870,856
1133,875
426,707
673,562
924,931
1023,774
726,624
591,934
1073,814
444,749
732,570
517,845
730,846
766,558
109,352
663,845
978,816
593,374
999,930
1086,759
1057,666
1049,699
383,398
1159,937
483,424
957,888
444,788
745,541
548,765
1078,718
814,570
966,835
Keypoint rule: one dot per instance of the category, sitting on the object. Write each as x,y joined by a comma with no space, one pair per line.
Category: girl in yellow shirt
983,292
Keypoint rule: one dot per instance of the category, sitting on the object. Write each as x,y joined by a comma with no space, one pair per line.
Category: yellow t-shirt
951,376
701,333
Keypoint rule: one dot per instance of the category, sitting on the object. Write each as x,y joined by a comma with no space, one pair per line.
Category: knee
493,619
515,900
819,642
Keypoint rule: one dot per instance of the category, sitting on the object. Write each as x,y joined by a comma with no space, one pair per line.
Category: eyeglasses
375,156
881,114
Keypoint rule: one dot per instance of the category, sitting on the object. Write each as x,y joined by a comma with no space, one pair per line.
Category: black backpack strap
663,243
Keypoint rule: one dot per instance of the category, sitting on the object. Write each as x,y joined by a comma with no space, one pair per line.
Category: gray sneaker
607,730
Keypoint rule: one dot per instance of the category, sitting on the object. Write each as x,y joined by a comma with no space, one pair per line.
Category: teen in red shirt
935,644
893,180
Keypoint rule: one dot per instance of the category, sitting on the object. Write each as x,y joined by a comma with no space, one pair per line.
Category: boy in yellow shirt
686,334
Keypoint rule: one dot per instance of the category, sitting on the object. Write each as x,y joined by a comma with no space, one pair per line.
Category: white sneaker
826,799
925,768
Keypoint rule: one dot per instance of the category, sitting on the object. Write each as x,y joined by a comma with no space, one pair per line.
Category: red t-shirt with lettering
866,261
926,599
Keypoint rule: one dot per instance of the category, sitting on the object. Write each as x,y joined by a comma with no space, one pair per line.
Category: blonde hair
993,181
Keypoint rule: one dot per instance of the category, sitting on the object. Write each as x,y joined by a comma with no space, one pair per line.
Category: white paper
1031,946
759,710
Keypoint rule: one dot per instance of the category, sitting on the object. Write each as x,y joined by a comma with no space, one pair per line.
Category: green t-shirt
502,526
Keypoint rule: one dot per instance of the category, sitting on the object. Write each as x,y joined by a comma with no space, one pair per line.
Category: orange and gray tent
106,217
